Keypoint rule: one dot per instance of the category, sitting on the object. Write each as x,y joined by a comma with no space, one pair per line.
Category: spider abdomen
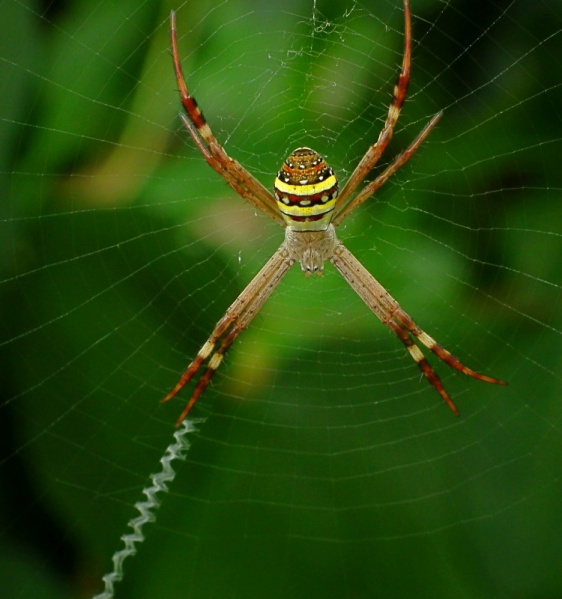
306,189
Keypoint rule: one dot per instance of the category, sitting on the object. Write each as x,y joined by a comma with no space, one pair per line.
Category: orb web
325,466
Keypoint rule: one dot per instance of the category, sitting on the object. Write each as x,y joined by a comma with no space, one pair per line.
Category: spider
309,206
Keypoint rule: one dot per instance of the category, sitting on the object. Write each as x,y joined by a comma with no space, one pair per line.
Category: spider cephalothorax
308,204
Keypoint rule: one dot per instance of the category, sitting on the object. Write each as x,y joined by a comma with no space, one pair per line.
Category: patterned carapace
306,190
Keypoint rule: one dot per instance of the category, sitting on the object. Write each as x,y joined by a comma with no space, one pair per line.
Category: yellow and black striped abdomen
306,190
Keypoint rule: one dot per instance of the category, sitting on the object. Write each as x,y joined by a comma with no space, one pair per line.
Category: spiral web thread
147,509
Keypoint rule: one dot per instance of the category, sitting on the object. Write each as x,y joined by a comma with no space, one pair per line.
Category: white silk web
325,465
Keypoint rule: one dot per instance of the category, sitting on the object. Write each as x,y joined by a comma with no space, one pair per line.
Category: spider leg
406,321
232,171
375,151
398,162
389,312
212,161
423,364
237,318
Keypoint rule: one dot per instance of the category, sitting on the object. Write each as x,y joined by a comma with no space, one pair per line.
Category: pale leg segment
389,312
243,182
379,181
374,153
237,318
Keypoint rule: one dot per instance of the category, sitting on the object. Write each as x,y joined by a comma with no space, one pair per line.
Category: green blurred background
325,467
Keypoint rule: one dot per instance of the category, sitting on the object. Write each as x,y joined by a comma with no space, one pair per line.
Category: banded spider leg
389,312
237,318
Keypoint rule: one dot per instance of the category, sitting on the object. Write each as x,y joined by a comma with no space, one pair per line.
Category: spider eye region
306,189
